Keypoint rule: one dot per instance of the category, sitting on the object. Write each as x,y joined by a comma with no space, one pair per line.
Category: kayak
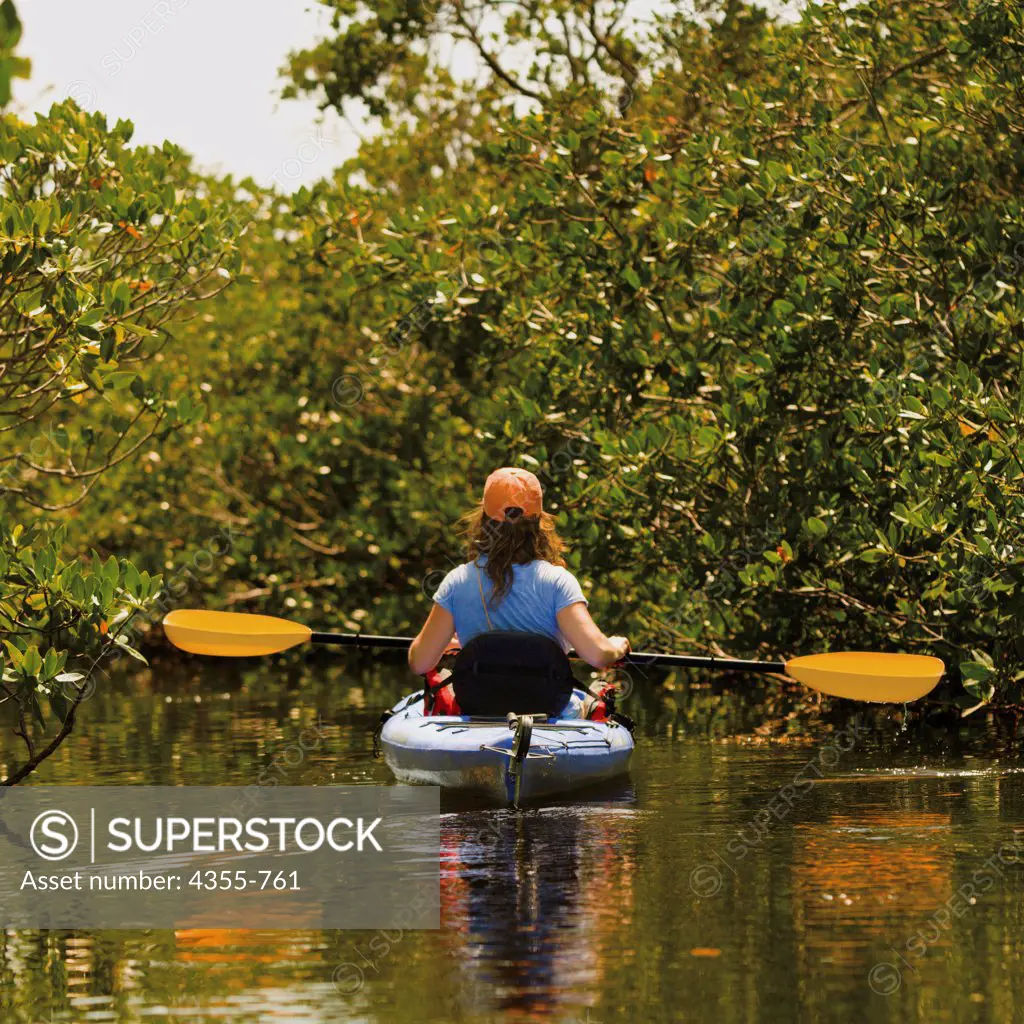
512,760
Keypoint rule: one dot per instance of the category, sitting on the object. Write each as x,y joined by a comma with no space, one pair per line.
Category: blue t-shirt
539,592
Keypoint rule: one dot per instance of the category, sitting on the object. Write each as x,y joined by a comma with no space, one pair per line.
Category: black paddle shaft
401,643
396,643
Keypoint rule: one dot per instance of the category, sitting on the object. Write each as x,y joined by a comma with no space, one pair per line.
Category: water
866,874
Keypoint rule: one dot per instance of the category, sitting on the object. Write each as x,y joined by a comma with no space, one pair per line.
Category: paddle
857,675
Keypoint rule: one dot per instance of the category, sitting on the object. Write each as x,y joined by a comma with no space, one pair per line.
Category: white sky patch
202,73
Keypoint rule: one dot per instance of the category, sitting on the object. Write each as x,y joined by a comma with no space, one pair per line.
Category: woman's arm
437,632
589,642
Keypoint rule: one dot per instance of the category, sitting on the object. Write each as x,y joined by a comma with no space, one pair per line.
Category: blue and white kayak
512,761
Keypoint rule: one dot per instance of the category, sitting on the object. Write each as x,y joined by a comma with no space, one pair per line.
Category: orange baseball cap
512,487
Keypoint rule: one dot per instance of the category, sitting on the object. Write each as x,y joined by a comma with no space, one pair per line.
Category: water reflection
858,877
532,903
579,911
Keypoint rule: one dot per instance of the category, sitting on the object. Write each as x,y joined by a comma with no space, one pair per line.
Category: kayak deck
487,756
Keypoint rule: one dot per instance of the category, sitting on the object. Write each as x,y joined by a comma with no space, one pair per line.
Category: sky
202,73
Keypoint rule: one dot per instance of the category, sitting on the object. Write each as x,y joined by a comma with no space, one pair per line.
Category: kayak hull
474,755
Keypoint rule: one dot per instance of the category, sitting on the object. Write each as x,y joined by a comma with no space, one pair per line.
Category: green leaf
974,670
15,655
981,690
59,704
132,580
134,328
121,297
816,527
873,555
631,277
118,381
91,318
44,565
31,663
123,645
37,711
51,664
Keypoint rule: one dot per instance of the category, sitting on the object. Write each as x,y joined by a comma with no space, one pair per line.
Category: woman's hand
621,645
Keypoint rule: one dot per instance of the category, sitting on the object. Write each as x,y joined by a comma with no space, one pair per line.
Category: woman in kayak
516,580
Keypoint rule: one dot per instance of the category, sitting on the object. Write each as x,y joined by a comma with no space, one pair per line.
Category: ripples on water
718,883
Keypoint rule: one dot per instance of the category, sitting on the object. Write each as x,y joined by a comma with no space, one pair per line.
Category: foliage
80,618
763,351
102,248
750,306
546,51
11,66
103,245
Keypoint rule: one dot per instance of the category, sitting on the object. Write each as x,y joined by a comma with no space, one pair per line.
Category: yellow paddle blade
231,634
860,675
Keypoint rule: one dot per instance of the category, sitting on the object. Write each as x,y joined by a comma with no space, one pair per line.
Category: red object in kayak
444,702
599,710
